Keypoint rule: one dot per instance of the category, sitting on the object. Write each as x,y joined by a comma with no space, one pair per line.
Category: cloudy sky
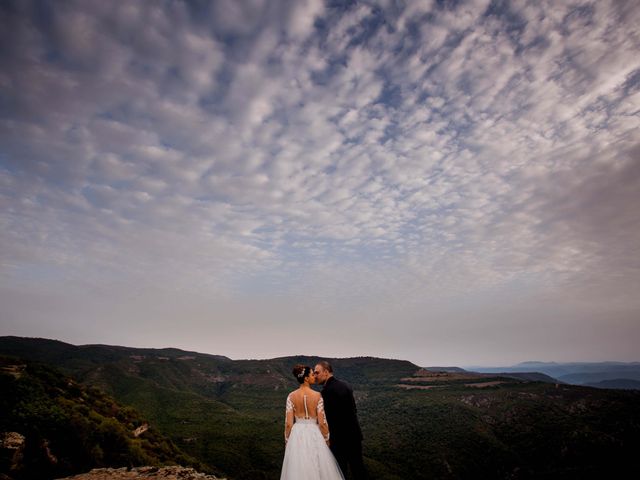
446,182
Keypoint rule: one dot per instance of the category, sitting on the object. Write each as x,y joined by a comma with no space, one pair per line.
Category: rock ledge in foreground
143,473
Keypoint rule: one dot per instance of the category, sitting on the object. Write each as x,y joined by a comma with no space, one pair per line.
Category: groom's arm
353,409
330,407
352,400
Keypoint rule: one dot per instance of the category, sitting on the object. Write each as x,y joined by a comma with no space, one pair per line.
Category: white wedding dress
307,456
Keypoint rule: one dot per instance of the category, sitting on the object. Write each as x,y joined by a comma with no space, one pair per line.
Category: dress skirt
307,456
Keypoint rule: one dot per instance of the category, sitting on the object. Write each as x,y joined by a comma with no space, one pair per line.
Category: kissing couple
322,434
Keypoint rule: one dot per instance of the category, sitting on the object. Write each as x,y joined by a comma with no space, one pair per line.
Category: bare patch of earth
483,384
419,387
427,376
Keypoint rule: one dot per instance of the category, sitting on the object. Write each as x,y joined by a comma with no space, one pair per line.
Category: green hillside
417,423
52,426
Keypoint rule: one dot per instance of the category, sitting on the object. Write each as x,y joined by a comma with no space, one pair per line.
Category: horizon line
464,367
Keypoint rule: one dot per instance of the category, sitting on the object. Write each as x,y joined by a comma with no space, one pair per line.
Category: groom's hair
326,365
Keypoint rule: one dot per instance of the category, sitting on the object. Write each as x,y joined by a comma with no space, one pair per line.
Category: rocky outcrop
12,449
144,473
15,371
140,430
12,440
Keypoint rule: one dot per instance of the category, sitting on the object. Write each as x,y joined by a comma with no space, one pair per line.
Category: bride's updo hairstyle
301,372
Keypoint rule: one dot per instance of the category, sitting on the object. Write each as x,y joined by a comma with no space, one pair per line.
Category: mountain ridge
21,339
417,422
577,373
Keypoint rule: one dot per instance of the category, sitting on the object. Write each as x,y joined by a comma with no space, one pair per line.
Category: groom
340,409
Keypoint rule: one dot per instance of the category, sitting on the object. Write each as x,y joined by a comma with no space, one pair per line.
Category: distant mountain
592,377
620,384
417,423
575,373
535,362
530,376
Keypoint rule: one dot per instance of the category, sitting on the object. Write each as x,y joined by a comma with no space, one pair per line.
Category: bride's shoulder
294,393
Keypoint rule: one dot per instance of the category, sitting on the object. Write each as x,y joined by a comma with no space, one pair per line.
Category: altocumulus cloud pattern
374,161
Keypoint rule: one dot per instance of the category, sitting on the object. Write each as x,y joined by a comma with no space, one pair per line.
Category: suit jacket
342,415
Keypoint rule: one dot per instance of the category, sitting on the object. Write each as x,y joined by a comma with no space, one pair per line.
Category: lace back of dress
297,402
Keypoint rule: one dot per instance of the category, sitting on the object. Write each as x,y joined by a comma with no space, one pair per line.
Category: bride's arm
288,419
322,421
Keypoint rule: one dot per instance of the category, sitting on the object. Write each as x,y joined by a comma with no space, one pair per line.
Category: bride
306,434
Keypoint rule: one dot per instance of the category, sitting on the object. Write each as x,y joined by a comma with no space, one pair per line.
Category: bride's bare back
305,404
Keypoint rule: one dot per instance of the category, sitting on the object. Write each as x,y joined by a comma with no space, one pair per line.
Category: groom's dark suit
344,429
